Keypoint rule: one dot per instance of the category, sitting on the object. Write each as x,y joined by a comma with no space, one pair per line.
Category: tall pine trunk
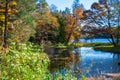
5,29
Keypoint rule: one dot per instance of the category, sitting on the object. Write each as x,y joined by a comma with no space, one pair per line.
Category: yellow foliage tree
7,11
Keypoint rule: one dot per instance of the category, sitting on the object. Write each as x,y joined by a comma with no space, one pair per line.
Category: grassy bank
107,48
72,45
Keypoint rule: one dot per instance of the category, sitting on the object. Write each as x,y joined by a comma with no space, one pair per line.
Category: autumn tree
7,12
25,21
69,25
62,21
103,18
77,13
72,30
61,26
17,16
46,23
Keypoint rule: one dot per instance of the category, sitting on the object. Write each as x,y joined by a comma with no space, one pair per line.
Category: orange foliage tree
73,24
46,23
72,29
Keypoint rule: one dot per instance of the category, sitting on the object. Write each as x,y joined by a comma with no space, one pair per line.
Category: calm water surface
96,62
95,40
89,62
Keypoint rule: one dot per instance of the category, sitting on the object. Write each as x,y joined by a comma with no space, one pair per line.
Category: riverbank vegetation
106,47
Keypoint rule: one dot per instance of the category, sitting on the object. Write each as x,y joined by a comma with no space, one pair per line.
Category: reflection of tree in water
68,60
75,67
61,60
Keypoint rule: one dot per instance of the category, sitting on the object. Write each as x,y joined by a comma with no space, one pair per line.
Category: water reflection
61,59
94,63
75,66
85,61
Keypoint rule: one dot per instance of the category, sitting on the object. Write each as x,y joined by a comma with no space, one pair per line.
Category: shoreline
115,50
105,47
106,76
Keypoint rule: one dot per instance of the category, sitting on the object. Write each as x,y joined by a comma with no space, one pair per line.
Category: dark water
95,63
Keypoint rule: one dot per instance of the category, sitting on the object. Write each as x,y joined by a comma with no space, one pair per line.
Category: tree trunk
6,19
113,41
69,35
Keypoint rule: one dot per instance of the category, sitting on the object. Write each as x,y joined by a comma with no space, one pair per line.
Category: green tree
66,11
53,8
76,3
60,38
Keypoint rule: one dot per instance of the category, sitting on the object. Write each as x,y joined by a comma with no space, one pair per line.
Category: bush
63,75
25,63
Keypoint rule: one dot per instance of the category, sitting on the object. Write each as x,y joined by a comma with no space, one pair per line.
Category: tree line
36,21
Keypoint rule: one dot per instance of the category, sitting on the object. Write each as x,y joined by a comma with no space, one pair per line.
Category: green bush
25,63
64,75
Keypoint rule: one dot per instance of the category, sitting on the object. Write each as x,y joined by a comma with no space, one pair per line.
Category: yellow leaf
13,3
2,17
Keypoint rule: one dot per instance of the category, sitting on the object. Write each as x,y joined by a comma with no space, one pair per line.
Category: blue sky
61,4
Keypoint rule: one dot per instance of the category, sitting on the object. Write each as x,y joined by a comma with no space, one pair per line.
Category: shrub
63,75
25,63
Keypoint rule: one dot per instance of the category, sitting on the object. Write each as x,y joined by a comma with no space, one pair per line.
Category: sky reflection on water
97,62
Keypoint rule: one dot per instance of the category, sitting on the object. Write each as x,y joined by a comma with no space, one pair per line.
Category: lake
103,40
95,63
90,62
